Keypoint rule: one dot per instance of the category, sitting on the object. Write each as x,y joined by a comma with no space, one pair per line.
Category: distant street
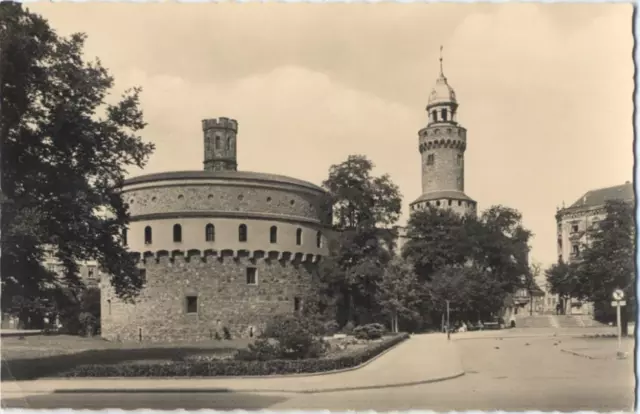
513,374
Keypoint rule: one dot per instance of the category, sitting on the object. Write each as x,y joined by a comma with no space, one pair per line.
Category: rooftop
223,175
439,195
600,196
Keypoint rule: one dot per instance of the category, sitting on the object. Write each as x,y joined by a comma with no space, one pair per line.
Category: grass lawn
47,355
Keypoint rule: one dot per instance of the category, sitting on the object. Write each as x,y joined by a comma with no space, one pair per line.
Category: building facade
222,250
573,224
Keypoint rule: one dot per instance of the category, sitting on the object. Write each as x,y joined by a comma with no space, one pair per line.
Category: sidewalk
420,359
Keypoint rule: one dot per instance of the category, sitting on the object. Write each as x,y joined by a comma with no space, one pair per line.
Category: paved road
515,374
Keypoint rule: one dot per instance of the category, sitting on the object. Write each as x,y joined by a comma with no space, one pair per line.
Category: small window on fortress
210,232
252,276
449,202
434,115
177,233
443,113
299,237
319,239
228,143
147,235
438,203
217,142
459,202
242,233
192,304
273,234
459,159
431,159
297,304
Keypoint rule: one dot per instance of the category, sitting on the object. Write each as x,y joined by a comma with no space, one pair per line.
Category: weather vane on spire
441,71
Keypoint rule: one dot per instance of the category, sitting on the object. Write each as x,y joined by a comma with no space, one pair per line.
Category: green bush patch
215,368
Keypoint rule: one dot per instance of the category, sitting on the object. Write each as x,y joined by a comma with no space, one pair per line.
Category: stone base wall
224,298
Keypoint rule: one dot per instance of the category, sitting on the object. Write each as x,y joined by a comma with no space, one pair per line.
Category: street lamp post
448,323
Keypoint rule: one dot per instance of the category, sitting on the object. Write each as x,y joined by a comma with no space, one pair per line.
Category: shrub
348,328
217,336
291,338
263,349
369,331
331,328
226,333
204,368
88,323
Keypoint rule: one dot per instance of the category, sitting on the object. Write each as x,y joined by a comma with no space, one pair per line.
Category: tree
501,246
496,242
399,292
565,281
472,292
437,238
358,198
607,261
364,208
452,252
65,152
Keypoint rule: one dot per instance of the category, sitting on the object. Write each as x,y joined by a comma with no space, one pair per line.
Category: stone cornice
209,255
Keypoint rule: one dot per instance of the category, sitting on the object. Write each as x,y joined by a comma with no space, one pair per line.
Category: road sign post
618,303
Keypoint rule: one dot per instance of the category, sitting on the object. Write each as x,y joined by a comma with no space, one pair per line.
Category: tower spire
441,71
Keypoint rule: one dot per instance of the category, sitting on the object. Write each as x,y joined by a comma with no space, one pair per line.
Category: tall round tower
442,144
220,141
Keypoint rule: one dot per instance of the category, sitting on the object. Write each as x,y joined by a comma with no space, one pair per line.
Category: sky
545,90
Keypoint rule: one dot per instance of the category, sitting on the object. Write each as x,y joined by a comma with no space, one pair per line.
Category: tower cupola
442,104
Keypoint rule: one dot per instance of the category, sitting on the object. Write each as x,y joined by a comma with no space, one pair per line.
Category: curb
578,354
256,390
566,351
19,334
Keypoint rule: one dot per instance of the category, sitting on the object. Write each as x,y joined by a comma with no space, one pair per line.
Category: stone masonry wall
233,198
447,172
224,298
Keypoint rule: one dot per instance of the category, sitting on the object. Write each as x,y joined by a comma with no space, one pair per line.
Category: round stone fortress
222,250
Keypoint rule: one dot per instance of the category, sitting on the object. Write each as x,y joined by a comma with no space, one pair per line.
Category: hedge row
235,368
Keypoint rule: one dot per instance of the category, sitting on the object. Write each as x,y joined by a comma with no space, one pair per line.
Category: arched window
273,234
177,233
228,143
147,235
443,114
431,159
210,232
434,114
124,237
299,237
242,233
319,239
217,142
